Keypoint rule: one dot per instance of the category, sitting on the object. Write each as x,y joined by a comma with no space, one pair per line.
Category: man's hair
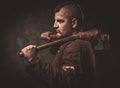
75,11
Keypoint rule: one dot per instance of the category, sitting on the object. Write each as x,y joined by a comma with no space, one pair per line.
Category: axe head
102,42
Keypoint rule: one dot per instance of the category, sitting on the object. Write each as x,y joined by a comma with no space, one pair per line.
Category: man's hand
29,52
46,35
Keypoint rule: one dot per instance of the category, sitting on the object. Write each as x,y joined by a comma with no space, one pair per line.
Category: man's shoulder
79,42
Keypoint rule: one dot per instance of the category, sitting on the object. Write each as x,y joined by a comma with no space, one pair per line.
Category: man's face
62,24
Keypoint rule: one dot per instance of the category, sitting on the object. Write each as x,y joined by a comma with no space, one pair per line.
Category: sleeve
79,58
80,55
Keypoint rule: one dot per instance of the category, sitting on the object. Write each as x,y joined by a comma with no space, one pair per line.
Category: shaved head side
70,10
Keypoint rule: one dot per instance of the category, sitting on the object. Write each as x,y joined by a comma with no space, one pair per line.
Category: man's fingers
46,35
28,48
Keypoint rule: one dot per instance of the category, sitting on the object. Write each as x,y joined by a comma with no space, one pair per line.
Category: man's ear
74,23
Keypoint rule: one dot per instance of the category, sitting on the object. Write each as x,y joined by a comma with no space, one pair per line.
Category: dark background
21,23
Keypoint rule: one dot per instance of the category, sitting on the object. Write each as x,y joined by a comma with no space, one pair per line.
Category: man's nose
55,25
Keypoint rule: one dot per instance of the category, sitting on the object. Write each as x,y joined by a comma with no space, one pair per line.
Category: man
74,64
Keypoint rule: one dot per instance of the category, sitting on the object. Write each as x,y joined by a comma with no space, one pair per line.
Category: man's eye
60,21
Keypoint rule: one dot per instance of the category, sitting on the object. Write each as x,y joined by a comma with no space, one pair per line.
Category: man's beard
62,35
59,33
